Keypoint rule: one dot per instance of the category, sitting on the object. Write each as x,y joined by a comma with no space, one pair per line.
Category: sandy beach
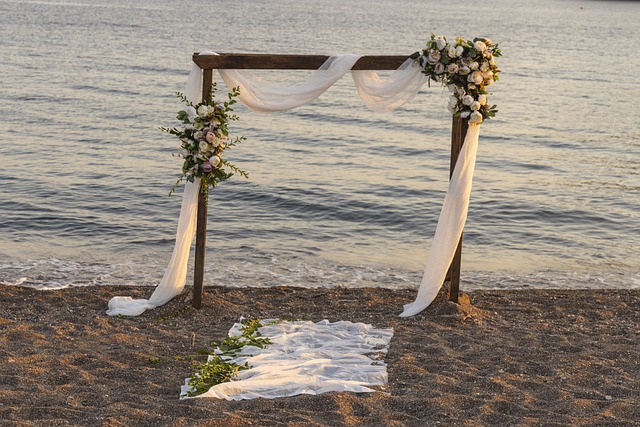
507,358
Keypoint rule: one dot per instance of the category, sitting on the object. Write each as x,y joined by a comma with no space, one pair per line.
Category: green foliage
220,367
214,371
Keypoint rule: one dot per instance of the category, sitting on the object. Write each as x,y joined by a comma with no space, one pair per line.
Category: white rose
484,66
215,161
198,135
475,106
475,77
452,68
202,110
492,61
465,114
451,108
474,65
488,82
480,46
203,146
459,51
451,51
482,99
185,153
467,100
441,43
471,86
452,88
475,118
439,68
190,111
488,75
464,70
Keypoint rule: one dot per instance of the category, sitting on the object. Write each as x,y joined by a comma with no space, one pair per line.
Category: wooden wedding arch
208,63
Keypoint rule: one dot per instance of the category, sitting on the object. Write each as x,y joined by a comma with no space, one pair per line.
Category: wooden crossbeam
260,61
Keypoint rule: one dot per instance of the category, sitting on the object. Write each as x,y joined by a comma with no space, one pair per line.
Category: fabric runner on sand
307,358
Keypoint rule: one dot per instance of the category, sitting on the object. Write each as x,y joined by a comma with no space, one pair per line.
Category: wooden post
458,133
201,225
201,248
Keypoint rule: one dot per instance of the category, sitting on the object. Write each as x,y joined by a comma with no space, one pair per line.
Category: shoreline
518,357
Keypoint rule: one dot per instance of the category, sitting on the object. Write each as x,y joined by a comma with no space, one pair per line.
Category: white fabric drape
386,95
175,275
378,95
307,358
453,216
265,97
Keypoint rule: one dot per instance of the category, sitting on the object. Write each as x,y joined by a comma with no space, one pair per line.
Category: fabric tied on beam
263,96
385,95
378,95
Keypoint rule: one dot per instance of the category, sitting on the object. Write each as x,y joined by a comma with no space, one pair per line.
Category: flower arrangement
466,67
204,135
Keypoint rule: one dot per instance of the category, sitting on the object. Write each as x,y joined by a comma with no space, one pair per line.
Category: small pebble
608,397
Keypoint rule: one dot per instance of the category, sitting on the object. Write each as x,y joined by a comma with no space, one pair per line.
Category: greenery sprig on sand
220,366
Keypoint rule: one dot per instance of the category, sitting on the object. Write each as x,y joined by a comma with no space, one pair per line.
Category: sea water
337,195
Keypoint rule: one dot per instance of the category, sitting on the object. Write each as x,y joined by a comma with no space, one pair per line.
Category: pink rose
434,57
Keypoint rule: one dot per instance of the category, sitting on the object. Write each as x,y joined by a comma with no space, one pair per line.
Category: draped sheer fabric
307,358
378,95
265,97
385,95
175,275
453,216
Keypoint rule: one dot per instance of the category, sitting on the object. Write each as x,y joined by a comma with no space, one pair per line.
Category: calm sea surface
337,195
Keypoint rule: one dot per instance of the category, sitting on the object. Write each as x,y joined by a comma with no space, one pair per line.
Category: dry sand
510,358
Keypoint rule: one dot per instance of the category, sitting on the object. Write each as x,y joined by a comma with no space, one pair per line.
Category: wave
266,270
